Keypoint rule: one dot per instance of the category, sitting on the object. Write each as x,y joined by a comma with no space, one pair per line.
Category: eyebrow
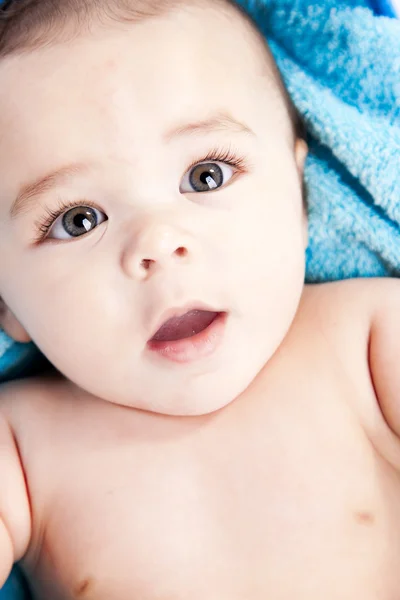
30,192
219,122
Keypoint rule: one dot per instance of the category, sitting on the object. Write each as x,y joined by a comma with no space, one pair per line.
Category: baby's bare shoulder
25,400
38,387
359,321
351,303
366,290
342,315
335,320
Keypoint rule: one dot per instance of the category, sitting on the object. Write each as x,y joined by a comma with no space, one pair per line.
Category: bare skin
262,466
292,490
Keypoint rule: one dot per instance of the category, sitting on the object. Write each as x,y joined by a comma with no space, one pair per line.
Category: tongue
185,326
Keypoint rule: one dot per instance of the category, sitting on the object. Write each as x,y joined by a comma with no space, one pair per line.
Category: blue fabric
15,588
384,7
341,62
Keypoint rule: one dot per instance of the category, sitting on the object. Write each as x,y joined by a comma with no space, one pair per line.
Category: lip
190,349
179,312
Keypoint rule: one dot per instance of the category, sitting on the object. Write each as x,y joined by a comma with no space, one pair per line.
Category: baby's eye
76,222
206,177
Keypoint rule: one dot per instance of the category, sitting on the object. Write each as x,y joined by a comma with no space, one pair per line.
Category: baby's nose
156,246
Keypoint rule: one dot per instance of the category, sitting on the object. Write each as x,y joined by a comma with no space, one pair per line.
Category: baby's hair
26,25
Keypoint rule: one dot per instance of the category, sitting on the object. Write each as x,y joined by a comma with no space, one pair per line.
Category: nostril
146,263
181,252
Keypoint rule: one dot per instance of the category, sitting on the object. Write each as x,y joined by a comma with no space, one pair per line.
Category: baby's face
113,123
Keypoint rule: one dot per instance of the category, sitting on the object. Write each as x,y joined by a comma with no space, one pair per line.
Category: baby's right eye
73,223
77,222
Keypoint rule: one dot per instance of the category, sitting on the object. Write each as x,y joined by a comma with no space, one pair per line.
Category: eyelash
43,226
229,157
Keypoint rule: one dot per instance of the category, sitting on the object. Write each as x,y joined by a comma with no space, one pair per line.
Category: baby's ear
305,214
301,152
10,324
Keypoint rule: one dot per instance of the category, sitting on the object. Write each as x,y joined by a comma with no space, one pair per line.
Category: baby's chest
275,506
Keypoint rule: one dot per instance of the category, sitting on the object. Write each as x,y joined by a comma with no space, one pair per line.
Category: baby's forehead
208,58
39,24
92,96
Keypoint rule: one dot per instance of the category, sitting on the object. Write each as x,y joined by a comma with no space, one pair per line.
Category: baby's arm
384,352
15,518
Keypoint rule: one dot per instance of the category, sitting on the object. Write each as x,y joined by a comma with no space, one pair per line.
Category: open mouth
195,335
186,326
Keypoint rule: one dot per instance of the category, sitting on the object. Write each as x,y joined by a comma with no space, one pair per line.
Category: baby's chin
187,406
176,390
193,407
196,400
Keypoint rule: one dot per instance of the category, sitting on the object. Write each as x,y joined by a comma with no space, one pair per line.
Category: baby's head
161,135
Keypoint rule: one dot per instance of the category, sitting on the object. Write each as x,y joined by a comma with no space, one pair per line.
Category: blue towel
340,60
341,64
15,588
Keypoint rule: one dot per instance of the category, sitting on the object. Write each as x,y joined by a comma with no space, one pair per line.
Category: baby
212,429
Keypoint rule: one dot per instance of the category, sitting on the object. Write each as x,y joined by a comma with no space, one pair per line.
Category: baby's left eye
206,177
